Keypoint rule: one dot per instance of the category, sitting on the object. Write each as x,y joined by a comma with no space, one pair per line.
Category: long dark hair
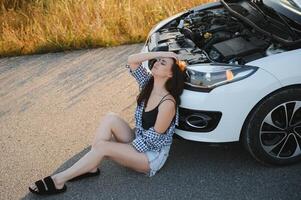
173,85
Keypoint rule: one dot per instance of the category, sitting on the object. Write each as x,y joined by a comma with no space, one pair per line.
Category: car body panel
286,66
234,100
284,8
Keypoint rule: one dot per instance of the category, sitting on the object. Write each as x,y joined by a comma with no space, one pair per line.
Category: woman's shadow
192,170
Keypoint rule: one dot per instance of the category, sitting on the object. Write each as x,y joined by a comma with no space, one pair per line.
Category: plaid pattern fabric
149,139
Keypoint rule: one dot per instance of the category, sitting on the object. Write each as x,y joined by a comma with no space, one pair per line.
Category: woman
145,149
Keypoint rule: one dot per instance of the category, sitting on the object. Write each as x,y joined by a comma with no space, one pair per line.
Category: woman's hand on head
169,54
136,59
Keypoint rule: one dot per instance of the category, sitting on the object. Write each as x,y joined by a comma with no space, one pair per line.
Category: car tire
265,133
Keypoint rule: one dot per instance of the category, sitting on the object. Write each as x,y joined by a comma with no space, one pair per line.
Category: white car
243,74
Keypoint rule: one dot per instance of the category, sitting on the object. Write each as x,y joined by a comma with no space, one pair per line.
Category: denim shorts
156,160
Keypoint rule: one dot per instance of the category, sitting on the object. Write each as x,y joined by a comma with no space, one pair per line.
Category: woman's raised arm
135,60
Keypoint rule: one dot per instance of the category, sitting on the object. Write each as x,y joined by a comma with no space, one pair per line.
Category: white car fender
286,66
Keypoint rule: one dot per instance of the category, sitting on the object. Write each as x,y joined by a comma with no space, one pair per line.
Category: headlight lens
210,76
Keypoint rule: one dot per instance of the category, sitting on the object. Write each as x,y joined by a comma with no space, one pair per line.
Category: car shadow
192,170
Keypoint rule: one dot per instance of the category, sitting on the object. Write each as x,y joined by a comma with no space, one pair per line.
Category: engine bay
216,35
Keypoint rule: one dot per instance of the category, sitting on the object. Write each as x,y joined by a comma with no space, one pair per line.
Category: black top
149,118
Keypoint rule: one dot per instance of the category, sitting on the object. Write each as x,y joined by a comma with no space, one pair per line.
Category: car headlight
208,76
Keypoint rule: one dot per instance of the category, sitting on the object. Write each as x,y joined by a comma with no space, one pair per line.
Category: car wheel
272,132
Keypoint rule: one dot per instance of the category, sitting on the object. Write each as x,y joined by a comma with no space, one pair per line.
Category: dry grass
37,26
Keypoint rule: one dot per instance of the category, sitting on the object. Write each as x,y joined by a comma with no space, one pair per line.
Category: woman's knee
111,114
100,146
110,118
118,128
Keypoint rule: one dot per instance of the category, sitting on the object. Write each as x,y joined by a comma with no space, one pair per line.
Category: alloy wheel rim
280,131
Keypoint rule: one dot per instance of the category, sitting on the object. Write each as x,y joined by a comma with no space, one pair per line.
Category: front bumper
232,101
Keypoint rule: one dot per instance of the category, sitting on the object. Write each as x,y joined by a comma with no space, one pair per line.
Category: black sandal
85,175
51,189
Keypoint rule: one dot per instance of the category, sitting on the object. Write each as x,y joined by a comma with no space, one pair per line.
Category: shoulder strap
163,98
161,102
166,99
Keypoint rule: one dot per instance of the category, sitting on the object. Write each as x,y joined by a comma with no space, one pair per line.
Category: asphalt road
50,107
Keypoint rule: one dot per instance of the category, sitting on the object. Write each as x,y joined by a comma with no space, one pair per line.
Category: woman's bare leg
121,151
113,125
113,128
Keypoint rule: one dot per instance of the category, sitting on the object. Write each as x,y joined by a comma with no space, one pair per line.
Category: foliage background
38,26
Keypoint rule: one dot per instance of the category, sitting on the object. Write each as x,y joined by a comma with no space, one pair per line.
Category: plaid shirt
149,139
